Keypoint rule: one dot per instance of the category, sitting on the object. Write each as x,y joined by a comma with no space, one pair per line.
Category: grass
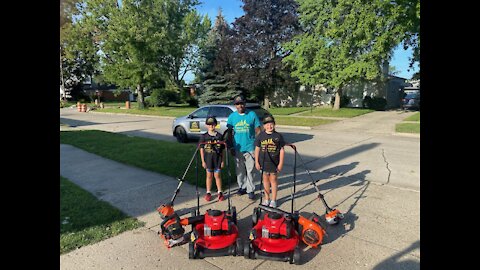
173,111
169,158
301,121
287,111
85,220
65,104
414,117
408,128
342,112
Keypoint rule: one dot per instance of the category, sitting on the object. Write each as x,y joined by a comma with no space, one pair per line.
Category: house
318,95
106,92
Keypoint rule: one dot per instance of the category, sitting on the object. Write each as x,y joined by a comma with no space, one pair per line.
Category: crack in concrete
386,162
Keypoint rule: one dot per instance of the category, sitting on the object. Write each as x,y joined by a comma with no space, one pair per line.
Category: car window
200,113
412,95
220,111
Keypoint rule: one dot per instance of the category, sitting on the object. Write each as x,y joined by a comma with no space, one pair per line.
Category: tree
349,40
140,42
186,53
257,43
215,69
213,58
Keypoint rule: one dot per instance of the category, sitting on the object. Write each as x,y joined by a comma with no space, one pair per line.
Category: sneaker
251,196
220,196
208,197
273,204
241,191
266,202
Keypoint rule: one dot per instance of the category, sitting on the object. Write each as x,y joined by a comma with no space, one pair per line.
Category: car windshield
412,95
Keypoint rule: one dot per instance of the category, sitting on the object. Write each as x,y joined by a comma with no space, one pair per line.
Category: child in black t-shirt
269,155
212,157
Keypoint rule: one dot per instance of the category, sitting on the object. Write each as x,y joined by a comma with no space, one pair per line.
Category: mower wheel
255,216
295,256
191,250
234,215
193,213
246,249
239,247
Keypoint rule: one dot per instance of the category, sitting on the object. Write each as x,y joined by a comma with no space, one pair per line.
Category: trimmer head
333,217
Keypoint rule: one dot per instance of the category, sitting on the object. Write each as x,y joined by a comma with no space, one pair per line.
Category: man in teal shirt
246,126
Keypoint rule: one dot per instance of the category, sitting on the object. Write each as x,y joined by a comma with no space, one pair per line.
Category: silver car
193,125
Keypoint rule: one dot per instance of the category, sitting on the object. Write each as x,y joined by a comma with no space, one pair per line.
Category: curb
412,135
293,127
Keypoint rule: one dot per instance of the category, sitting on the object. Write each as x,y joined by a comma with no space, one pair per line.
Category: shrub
193,102
161,97
376,103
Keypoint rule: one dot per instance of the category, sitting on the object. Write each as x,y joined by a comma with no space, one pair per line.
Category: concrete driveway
364,169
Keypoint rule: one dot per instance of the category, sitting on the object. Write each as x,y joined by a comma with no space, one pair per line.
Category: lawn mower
215,233
275,234
332,216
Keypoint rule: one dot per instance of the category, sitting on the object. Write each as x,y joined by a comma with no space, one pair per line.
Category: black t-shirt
212,147
273,142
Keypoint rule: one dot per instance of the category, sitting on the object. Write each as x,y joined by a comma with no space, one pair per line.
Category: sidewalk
391,241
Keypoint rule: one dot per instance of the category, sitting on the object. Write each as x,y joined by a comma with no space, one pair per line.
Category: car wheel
181,135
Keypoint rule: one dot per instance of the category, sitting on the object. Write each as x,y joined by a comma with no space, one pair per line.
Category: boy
212,157
269,155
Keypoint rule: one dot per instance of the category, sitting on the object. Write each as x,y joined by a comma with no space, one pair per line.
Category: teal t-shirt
244,128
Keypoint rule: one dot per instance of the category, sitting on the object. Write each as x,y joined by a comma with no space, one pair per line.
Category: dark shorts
269,168
214,163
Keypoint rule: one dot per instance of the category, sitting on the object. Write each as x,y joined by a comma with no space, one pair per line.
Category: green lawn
173,111
301,121
342,112
85,220
414,117
169,158
287,111
408,128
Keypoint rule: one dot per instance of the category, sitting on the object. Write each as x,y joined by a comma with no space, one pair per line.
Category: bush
193,102
161,97
375,103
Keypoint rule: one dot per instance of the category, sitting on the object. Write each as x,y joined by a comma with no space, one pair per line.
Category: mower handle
219,142
275,210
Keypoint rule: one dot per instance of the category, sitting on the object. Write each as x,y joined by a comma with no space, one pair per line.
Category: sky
232,9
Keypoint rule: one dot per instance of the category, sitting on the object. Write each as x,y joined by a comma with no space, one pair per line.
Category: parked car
411,101
192,126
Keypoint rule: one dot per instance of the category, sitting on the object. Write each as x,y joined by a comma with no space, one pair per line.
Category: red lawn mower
276,233
215,233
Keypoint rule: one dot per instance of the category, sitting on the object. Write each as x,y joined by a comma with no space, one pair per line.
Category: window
220,112
200,113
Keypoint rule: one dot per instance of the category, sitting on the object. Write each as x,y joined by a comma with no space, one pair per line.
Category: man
245,125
